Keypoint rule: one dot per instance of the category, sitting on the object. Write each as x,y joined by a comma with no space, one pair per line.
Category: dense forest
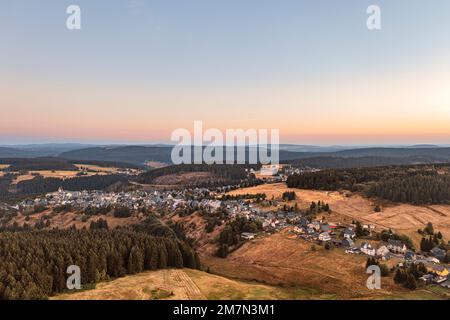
408,184
220,174
44,185
417,189
334,162
33,264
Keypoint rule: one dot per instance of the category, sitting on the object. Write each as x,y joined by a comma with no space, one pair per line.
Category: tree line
222,174
33,264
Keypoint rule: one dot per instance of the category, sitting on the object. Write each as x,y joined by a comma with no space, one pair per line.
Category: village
309,225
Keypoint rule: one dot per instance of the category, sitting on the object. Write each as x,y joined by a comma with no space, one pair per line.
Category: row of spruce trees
33,264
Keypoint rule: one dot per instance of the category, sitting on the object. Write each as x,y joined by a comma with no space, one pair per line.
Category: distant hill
322,157
38,150
6,152
359,162
436,152
130,154
386,156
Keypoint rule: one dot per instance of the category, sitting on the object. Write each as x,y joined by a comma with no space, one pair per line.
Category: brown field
4,166
185,284
188,284
97,169
288,263
283,259
46,174
403,218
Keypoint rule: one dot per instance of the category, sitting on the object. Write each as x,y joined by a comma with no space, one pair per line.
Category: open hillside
283,260
190,284
346,206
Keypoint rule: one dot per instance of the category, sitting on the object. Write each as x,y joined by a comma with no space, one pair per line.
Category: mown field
189,284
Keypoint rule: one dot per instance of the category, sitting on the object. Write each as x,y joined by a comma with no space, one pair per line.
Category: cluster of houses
318,230
303,226
199,198
132,199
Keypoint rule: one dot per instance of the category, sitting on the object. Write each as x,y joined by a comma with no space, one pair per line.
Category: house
315,225
324,236
269,170
367,249
438,253
299,229
396,246
439,270
427,278
410,256
383,252
446,284
325,227
247,235
349,233
353,250
347,243
303,221
432,260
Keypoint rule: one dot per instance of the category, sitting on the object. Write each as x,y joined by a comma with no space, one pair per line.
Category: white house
349,233
368,249
247,235
324,236
383,252
396,246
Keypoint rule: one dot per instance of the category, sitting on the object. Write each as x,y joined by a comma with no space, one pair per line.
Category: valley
255,239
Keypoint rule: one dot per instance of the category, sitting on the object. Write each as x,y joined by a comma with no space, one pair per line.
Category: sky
138,70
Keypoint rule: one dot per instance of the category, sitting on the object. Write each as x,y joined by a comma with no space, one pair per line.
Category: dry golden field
185,284
403,218
155,164
283,259
153,285
97,169
188,284
288,263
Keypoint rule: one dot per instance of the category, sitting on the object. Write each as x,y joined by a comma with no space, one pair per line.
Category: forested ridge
423,184
221,174
33,264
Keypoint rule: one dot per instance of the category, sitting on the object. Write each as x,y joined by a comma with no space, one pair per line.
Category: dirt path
182,280
140,287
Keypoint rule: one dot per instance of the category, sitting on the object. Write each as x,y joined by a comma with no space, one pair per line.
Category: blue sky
229,50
